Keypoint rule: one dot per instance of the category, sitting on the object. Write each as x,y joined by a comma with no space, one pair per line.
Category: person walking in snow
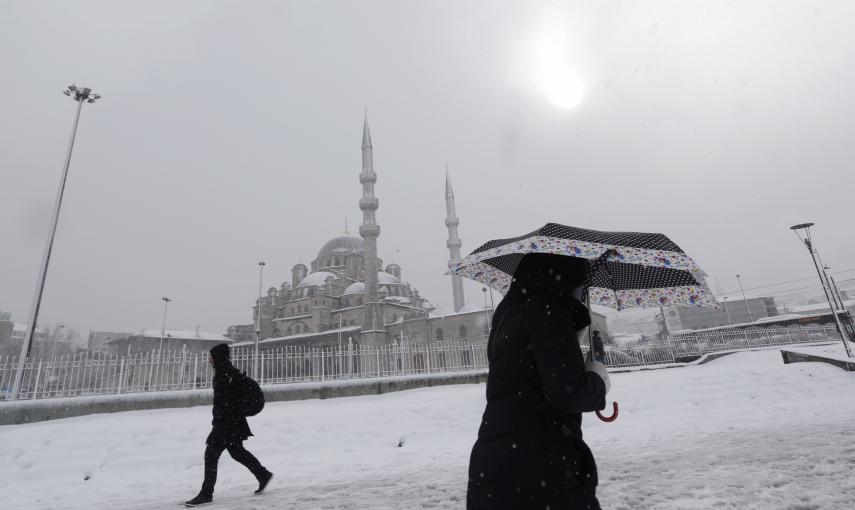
230,428
530,453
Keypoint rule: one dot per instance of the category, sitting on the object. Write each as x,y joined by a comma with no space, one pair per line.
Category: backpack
249,395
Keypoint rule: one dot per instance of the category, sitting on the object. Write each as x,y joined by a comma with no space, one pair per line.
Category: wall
29,411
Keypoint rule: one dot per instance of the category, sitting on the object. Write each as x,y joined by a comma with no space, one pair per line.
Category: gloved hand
599,369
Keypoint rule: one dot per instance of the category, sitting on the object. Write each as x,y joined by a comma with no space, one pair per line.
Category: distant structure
453,244
6,327
98,339
346,296
148,340
734,311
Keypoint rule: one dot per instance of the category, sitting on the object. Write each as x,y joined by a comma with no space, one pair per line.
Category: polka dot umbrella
627,269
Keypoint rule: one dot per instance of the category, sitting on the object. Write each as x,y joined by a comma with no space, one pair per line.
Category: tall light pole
80,95
808,242
55,338
729,322
744,300
258,320
835,297
166,301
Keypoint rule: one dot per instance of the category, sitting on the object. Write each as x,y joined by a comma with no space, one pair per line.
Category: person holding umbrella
530,452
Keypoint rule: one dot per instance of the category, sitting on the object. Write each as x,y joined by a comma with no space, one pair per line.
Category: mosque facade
347,295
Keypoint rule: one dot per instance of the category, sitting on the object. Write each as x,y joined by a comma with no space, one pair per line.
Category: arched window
440,336
461,331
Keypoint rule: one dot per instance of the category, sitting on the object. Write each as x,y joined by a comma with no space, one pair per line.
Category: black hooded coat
530,453
229,424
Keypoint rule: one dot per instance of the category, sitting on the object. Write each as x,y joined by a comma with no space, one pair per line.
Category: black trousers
238,452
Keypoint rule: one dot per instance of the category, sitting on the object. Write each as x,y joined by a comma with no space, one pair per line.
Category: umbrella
626,269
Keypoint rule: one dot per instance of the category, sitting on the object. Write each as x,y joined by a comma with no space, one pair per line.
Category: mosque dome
342,245
354,288
315,279
384,278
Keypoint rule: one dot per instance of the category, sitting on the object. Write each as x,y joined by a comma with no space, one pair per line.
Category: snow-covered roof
342,245
384,278
817,307
354,288
318,278
346,329
185,334
24,327
447,312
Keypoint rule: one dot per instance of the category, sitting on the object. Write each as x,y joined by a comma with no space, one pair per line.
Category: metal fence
98,374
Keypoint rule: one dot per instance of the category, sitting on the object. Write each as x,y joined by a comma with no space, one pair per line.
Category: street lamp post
729,322
257,321
80,95
166,301
55,338
835,297
808,242
744,300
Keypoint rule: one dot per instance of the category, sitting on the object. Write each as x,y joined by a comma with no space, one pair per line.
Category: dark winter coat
229,424
530,453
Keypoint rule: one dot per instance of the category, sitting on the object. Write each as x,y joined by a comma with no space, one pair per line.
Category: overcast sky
229,132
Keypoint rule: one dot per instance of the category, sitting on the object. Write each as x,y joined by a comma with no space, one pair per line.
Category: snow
744,431
817,307
448,312
318,278
834,351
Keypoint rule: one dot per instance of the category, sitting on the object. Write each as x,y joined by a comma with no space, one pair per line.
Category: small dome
299,266
315,279
355,288
384,278
343,245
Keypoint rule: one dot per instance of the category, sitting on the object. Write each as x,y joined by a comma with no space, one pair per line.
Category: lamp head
801,226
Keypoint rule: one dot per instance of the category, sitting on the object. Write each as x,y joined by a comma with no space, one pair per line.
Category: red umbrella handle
613,417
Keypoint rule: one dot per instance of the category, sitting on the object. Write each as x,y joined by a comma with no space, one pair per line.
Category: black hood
221,355
543,273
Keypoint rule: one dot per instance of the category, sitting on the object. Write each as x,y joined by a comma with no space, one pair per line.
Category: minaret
453,243
373,330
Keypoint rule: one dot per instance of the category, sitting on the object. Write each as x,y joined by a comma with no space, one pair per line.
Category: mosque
346,295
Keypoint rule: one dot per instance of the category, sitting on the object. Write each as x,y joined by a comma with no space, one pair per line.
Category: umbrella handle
611,418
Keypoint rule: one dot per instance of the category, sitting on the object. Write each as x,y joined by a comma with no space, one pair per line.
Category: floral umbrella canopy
626,269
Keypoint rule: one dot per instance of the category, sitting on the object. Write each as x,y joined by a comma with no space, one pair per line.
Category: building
242,332
346,294
6,327
733,311
821,307
98,339
149,340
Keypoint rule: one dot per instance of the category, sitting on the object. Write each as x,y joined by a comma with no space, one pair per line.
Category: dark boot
263,480
201,499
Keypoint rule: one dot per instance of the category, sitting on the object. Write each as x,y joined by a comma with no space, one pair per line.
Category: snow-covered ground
744,431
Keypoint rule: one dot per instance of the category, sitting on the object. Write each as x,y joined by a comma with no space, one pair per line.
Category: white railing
98,374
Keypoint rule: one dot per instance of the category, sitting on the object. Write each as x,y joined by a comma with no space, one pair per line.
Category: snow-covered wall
28,411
